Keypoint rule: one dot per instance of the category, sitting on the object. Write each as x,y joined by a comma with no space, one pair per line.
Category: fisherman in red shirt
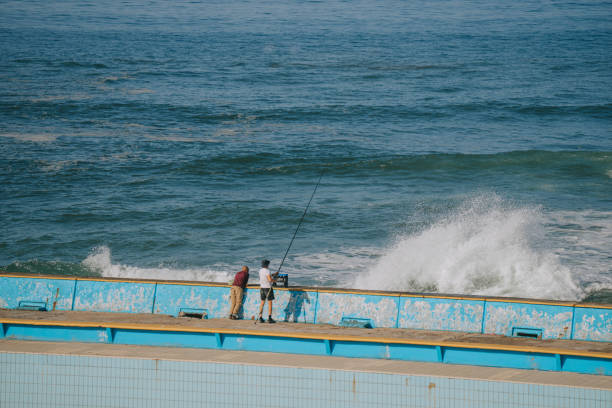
240,282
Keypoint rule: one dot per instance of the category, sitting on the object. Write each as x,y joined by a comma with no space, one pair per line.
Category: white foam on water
100,261
584,241
31,137
486,247
609,173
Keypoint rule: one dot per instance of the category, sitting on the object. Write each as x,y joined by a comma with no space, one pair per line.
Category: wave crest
99,261
486,247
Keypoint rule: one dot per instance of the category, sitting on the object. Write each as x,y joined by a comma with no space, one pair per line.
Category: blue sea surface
465,146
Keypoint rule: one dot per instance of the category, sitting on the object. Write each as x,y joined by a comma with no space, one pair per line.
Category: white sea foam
609,173
31,137
140,91
486,247
100,261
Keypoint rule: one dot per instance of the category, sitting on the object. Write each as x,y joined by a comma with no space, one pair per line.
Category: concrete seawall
470,314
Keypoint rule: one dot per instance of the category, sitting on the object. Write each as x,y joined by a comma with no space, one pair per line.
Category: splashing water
483,248
99,260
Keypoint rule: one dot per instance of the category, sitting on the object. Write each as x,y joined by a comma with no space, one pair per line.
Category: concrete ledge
387,344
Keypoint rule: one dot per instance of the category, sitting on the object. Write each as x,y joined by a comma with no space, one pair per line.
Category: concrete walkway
165,322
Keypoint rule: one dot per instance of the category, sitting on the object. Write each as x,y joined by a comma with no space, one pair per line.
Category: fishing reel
281,279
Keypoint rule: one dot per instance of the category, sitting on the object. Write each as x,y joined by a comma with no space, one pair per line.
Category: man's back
264,278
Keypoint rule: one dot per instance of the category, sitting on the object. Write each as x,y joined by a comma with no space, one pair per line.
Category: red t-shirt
241,279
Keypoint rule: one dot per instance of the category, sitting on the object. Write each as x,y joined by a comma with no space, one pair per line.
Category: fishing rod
275,274
299,223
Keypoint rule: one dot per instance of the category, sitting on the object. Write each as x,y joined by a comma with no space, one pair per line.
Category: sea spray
99,261
485,247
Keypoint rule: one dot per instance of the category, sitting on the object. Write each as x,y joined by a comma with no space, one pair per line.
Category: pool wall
57,380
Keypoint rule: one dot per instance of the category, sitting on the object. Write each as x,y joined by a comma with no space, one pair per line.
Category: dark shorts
264,291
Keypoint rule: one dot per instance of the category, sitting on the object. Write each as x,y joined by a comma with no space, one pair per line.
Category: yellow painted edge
148,282
355,292
61,277
442,297
153,327
594,306
531,302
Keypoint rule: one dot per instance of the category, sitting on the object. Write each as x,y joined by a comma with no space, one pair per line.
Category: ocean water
465,146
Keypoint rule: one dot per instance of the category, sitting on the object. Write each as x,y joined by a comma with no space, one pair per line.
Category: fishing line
300,223
294,235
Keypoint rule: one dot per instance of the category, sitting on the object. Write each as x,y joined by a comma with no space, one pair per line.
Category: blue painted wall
555,321
592,324
48,291
493,316
382,310
441,314
125,297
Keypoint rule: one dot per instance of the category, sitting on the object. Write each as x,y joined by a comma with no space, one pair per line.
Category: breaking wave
99,261
486,247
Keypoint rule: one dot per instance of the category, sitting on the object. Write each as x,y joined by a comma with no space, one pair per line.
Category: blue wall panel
554,321
55,333
441,314
166,339
288,305
412,352
273,344
592,324
382,310
14,290
587,365
499,358
171,298
125,297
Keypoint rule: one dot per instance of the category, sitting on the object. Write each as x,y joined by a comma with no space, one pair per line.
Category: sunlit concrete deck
304,330
309,332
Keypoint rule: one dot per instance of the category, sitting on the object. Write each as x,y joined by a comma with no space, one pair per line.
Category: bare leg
269,308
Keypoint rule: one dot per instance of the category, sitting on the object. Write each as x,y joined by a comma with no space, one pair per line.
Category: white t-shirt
263,278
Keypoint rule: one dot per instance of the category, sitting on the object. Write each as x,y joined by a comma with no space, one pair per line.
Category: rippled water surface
466,146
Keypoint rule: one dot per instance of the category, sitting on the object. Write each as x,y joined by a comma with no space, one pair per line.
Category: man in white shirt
266,291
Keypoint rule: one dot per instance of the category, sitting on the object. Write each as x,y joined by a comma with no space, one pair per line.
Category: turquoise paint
592,324
441,314
316,308
109,296
512,359
73,295
312,306
170,299
484,314
381,309
554,321
15,290
154,299
56,333
293,345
